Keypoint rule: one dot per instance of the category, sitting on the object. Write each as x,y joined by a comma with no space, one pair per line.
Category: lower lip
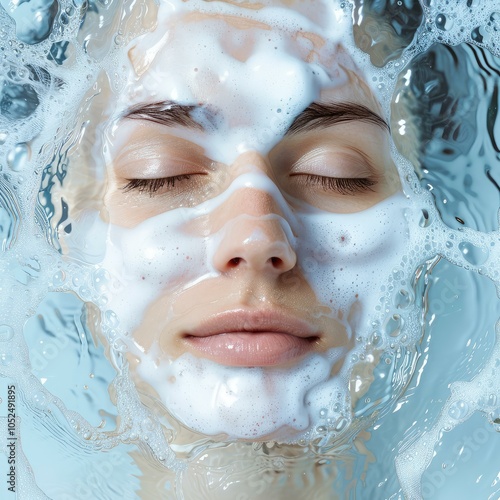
252,348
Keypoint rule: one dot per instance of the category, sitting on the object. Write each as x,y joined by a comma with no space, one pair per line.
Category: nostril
276,262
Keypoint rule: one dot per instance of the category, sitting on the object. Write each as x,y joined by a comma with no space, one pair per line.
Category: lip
252,338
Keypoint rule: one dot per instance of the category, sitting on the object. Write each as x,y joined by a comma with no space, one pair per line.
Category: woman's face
253,213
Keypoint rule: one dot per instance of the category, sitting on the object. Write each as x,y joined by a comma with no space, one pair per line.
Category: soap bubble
18,101
473,254
18,156
444,23
458,410
6,333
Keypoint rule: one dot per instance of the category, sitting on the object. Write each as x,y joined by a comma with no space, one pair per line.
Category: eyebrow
315,116
167,113
321,115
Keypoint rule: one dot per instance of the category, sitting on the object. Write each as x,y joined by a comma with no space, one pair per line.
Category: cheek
347,258
155,256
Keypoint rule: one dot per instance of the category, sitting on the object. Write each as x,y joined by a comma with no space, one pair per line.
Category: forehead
253,72
195,20
202,49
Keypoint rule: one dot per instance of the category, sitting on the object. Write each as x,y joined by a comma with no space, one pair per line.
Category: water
424,421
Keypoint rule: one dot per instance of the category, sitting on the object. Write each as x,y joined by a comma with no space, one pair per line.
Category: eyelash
341,185
153,185
344,186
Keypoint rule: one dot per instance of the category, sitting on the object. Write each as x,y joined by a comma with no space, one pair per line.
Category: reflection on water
59,341
430,435
464,342
458,130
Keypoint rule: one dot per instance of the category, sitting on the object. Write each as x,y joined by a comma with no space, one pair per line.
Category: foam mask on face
242,228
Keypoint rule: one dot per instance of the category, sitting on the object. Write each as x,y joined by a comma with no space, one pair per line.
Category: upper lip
255,321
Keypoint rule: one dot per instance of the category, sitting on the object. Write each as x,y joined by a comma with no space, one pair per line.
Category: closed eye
151,186
341,185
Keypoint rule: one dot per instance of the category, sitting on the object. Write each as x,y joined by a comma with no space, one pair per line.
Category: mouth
252,338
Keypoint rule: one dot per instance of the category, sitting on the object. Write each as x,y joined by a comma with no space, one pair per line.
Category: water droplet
425,220
59,278
18,101
458,410
393,325
480,35
102,301
444,23
340,424
77,281
100,279
323,413
5,358
403,299
6,333
473,254
18,156
84,293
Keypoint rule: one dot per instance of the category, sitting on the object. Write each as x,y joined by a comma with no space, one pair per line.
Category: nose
257,242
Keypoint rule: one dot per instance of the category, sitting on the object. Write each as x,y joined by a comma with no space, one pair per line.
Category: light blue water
71,445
